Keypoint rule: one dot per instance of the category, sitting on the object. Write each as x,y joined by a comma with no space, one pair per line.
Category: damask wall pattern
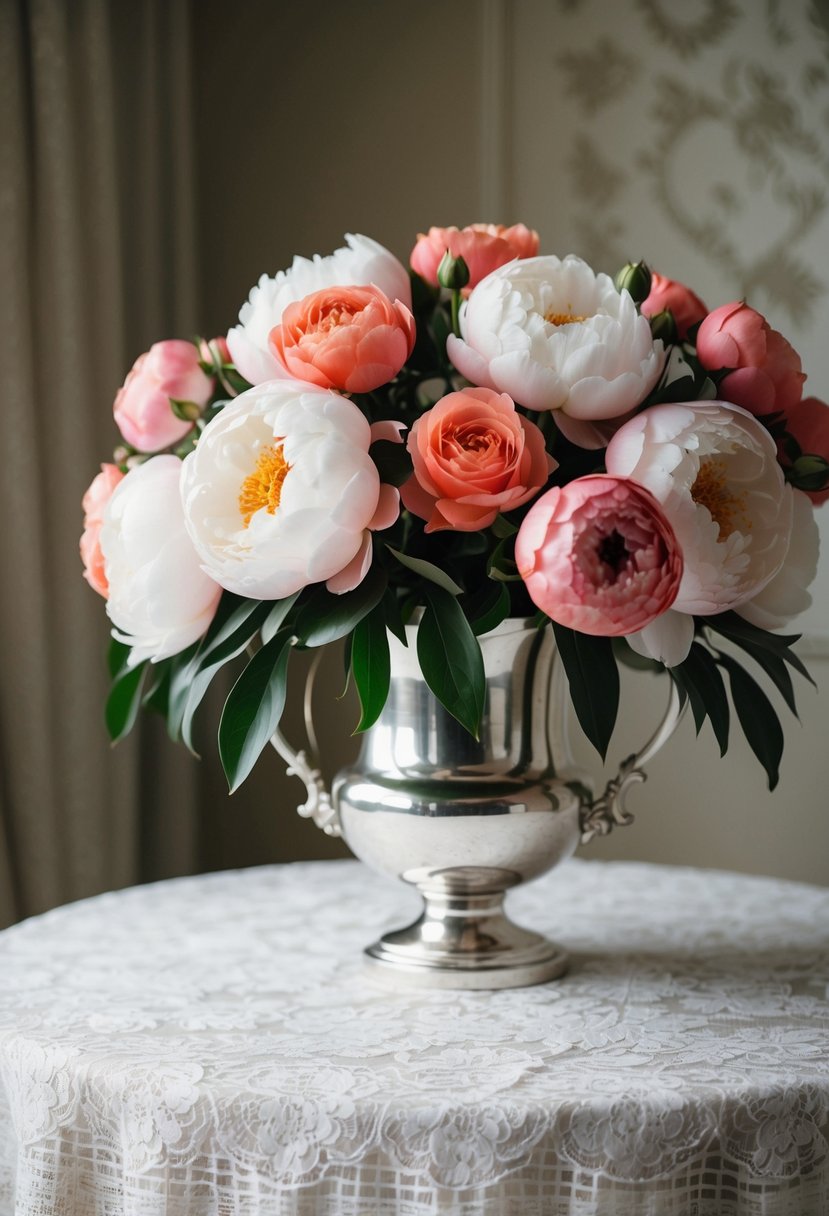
695,135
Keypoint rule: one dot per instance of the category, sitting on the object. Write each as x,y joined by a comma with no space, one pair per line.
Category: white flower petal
667,639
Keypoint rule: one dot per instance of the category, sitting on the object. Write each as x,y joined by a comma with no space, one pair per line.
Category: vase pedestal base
465,941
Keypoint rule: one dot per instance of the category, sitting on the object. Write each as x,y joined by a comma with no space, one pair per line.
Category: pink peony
94,502
169,371
766,375
473,456
599,556
215,351
348,338
808,424
483,247
686,308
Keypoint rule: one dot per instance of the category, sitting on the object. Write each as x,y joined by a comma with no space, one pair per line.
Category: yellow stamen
727,509
263,488
564,318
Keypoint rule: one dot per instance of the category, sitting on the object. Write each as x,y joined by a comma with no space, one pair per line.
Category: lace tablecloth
215,1045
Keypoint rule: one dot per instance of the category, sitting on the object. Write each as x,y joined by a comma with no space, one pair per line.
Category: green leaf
487,607
594,682
774,667
277,616
371,665
253,708
760,723
124,701
501,566
117,656
325,617
502,527
394,616
432,573
732,626
703,682
190,685
157,696
450,659
231,614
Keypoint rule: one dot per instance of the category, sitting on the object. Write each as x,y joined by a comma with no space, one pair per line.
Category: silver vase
465,820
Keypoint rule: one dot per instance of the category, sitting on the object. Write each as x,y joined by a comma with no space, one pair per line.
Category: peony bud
663,326
809,473
453,272
635,279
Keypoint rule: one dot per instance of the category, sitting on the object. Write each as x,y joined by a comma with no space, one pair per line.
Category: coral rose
94,504
473,456
349,338
599,556
808,424
765,376
686,308
169,371
484,247
160,600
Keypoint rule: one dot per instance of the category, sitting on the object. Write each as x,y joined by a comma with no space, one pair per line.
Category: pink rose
686,308
348,338
94,503
473,456
808,424
599,556
766,376
168,371
483,247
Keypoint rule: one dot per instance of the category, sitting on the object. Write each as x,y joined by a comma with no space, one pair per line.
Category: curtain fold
97,261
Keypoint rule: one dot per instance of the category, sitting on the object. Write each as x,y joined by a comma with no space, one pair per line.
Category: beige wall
695,135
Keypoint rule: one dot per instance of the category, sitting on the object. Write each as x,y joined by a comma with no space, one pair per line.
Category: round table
216,1045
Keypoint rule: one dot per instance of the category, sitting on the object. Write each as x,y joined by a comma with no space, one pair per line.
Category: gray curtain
96,262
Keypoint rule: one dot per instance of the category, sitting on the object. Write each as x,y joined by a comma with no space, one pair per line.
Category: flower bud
809,473
187,411
453,272
634,278
663,326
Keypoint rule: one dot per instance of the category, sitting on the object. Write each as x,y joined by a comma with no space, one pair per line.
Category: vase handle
305,764
600,815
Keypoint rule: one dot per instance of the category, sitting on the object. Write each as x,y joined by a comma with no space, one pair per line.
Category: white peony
281,492
557,336
714,469
160,600
786,596
360,262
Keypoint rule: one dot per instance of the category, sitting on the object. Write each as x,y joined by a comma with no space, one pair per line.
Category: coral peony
349,338
599,556
765,375
686,308
484,247
473,456
557,336
360,262
169,371
281,492
94,504
160,600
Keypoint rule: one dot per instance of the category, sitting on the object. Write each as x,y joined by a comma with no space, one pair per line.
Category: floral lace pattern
216,1045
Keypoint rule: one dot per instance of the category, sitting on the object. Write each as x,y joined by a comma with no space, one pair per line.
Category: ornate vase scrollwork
464,820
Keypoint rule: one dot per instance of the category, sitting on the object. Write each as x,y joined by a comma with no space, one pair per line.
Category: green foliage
593,676
450,659
253,708
371,665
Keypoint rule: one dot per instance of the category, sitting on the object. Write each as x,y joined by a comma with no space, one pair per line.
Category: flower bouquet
494,433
